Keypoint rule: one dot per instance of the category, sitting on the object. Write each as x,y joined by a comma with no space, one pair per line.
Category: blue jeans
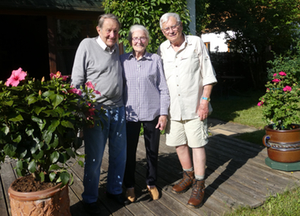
114,129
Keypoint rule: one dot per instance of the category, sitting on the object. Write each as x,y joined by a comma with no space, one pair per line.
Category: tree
146,13
259,25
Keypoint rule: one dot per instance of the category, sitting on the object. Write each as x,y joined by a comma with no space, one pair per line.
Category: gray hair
101,19
133,28
166,16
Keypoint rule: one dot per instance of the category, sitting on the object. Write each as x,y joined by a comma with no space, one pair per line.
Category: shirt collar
104,46
145,56
183,44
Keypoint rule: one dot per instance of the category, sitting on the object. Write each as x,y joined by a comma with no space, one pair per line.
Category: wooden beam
51,31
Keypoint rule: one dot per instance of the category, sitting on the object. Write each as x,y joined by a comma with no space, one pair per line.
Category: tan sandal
154,194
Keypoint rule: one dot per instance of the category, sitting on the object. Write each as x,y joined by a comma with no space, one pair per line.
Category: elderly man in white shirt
190,78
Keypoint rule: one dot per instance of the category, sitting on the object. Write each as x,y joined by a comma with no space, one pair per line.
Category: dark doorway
24,43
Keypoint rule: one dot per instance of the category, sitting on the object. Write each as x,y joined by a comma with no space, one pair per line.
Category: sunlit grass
241,109
286,204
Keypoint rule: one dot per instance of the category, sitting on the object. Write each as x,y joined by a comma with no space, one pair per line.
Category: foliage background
262,27
146,13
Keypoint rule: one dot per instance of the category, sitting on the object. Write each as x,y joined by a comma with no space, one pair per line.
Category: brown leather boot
185,183
197,193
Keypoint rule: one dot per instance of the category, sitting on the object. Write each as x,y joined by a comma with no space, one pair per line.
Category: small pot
52,202
283,145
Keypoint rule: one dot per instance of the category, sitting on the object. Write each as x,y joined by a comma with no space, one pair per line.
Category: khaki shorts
192,132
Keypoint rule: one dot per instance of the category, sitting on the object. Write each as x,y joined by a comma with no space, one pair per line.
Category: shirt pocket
190,61
169,67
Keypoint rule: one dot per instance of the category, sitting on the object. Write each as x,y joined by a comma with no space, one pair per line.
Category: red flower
282,73
276,80
287,88
16,77
75,91
260,103
58,75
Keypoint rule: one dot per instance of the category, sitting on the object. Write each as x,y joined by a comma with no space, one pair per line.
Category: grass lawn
243,109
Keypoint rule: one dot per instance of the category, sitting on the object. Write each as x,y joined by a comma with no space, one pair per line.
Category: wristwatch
205,98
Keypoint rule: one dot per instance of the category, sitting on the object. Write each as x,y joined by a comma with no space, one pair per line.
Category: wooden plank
7,177
261,172
170,170
77,189
163,182
3,207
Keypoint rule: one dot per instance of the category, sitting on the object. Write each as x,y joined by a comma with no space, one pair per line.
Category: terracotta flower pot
51,202
283,145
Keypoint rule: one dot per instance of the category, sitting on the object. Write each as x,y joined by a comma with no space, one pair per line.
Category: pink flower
89,85
282,73
287,88
16,77
276,80
275,74
260,103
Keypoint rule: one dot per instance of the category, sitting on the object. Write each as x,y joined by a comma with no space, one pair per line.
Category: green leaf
54,157
39,155
17,118
47,136
10,149
23,153
8,103
71,179
64,177
5,129
70,152
55,141
19,164
42,176
37,110
52,176
54,167
32,166
31,99
17,139
67,124
56,99
19,172
53,125
80,163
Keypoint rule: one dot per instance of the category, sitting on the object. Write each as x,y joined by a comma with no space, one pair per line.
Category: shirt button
178,94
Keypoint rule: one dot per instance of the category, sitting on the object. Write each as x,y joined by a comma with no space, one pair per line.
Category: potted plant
39,126
281,109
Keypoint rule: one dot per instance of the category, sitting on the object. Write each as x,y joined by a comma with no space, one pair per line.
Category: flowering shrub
39,124
280,104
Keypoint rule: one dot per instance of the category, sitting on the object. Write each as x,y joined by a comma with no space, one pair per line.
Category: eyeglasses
136,39
174,27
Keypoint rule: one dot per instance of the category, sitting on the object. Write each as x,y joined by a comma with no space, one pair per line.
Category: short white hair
133,28
166,16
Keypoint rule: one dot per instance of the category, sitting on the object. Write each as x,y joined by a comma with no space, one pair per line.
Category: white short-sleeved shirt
186,71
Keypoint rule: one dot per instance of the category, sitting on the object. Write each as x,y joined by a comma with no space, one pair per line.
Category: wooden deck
236,175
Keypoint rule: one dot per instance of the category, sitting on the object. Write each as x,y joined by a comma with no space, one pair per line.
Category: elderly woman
146,99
